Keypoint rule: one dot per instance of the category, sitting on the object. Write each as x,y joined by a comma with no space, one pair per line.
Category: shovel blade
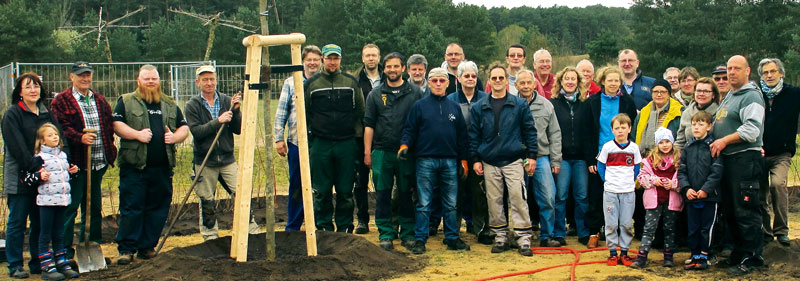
89,257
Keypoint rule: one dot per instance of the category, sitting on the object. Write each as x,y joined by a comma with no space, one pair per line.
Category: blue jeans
295,213
433,173
52,228
574,175
544,189
20,209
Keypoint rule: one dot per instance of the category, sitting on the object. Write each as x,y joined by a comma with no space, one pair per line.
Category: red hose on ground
554,251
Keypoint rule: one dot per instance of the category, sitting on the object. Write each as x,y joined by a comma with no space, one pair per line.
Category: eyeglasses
703,91
516,56
688,80
469,76
453,54
498,78
725,78
771,71
543,61
628,61
658,93
438,81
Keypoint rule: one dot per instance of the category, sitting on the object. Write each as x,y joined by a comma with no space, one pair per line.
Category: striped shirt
285,114
620,161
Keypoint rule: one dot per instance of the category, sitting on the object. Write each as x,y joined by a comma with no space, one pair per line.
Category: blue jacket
641,90
507,140
436,128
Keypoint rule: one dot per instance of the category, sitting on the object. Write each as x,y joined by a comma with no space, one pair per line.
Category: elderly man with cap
334,109
206,114
78,108
720,75
436,131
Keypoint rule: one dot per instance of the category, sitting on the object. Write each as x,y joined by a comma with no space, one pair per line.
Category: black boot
641,260
48,267
668,261
62,265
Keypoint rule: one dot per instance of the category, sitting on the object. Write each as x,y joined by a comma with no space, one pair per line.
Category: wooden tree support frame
241,213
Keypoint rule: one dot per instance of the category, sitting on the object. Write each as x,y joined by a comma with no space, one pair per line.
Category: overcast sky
547,3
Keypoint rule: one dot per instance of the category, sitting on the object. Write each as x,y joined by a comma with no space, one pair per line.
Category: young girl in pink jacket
662,199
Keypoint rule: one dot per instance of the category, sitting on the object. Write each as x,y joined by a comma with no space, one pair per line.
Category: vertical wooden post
302,140
241,218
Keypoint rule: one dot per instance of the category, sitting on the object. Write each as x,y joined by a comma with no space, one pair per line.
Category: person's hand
478,168
236,100
762,152
463,170
169,138
225,117
402,154
666,183
144,135
45,175
556,170
717,146
88,138
368,158
531,165
72,169
593,169
702,194
280,147
691,194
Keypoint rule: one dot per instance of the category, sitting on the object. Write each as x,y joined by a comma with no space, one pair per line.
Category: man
417,67
436,132
501,132
77,108
370,76
205,114
634,83
453,56
720,75
386,109
515,59
586,69
738,131
286,116
334,109
672,75
149,124
783,109
543,65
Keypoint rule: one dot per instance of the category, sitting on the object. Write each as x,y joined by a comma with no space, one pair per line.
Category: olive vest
133,153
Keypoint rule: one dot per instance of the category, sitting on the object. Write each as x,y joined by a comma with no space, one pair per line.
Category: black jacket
334,106
571,120
386,113
19,135
204,129
699,171
364,83
780,121
456,86
592,117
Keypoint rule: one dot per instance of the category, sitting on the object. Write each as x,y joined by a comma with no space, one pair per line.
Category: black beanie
662,83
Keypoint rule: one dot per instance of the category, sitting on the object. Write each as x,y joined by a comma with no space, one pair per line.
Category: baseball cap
437,72
81,67
719,69
205,68
331,49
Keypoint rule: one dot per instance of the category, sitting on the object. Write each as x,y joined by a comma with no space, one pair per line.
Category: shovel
88,254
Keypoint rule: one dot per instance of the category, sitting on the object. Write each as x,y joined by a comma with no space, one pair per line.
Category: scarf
771,92
571,97
648,138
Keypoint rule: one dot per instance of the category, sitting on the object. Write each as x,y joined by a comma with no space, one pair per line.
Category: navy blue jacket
699,171
513,138
641,90
435,128
780,117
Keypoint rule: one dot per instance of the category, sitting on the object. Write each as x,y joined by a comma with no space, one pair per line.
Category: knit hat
662,83
437,72
663,134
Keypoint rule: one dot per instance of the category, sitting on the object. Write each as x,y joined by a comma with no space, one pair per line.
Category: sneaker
626,260
549,243
456,244
419,247
124,259
362,228
691,265
525,250
593,240
784,240
53,275
146,254
499,247
584,240
688,261
408,244
702,264
485,239
612,261
561,241
18,273
387,244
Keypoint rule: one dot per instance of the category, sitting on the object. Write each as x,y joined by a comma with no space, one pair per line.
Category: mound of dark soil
341,257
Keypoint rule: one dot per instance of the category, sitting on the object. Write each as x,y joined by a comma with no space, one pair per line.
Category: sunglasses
498,78
721,78
438,81
469,76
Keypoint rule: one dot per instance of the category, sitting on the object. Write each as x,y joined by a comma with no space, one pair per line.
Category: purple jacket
647,179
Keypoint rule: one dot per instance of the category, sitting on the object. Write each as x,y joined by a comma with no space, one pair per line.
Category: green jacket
133,153
334,106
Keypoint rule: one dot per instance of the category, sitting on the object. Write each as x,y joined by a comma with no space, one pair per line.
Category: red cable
553,251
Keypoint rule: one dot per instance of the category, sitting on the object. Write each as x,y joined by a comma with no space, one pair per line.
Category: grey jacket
56,190
549,132
742,112
684,133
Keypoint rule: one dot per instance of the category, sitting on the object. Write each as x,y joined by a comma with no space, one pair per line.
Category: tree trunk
210,44
270,179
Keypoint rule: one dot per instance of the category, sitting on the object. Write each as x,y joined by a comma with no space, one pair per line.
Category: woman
569,94
599,110
706,98
687,78
662,111
20,122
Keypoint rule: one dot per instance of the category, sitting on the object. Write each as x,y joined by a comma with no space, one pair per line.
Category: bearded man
149,125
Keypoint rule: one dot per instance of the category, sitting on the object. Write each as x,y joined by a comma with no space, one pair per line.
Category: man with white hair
672,75
543,65
586,69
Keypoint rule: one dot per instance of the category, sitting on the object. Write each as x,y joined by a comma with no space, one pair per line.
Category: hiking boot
612,261
593,241
525,250
408,244
146,254
456,244
419,247
18,273
48,266
549,243
626,260
583,240
784,240
668,260
63,266
641,260
485,239
561,241
362,228
387,244
499,247
124,259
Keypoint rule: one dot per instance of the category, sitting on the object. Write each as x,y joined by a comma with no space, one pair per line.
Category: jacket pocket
748,194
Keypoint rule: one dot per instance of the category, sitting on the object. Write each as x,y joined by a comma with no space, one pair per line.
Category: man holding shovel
76,109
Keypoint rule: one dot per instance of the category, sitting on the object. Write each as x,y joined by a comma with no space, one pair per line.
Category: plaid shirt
285,114
92,121
214,110
67,110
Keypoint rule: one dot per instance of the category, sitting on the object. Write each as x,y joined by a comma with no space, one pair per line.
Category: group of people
691,160
52,151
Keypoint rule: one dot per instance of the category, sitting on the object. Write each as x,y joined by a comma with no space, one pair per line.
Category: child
699,176
618,166
662,201
54,196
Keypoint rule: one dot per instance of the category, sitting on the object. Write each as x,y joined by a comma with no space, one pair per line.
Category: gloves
402,154
462,171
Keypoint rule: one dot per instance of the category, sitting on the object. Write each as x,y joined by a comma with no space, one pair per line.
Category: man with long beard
149,125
